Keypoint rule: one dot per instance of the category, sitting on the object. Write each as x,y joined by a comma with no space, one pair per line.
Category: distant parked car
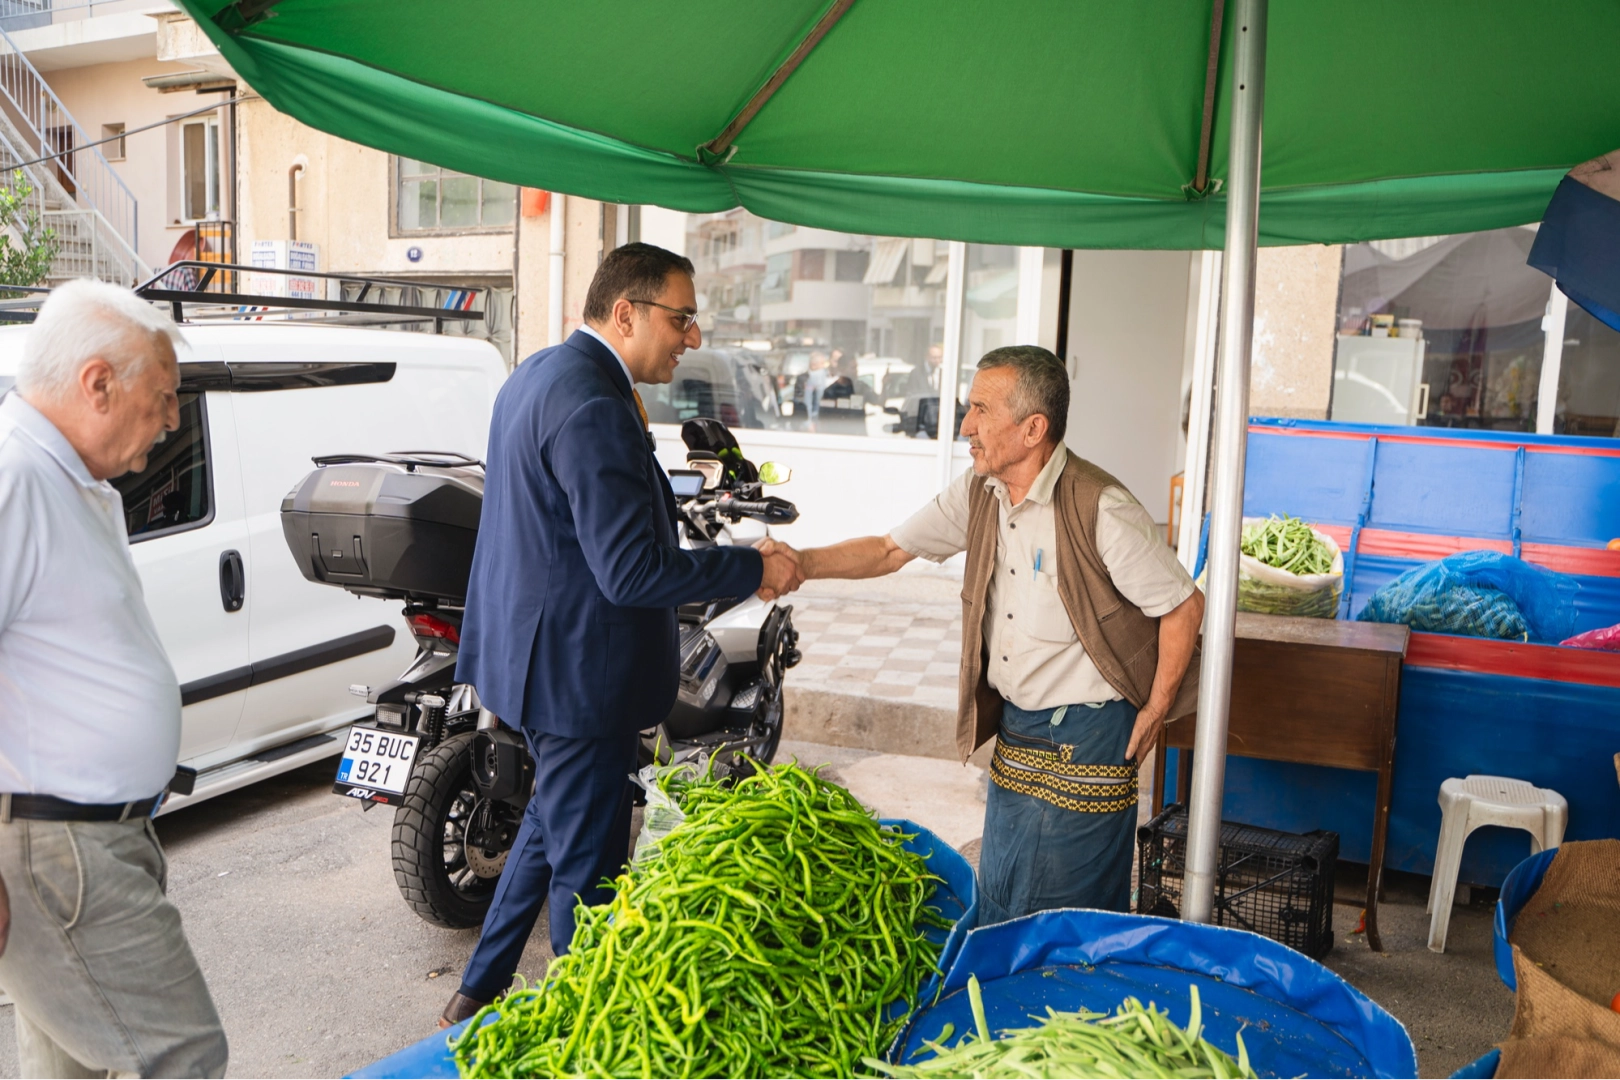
889,377
730,385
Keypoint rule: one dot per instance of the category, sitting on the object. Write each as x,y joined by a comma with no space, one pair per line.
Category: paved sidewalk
898,637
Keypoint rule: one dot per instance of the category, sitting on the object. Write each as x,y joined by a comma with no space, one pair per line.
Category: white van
265,658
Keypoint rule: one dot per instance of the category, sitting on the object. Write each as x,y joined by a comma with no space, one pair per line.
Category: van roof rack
24,309
201,291
223,290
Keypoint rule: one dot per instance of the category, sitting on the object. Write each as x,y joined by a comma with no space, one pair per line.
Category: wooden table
1311,692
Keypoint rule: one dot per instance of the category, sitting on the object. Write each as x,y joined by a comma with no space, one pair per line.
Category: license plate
375,764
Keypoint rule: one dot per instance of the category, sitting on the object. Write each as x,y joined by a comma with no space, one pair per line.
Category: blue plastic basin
1517,889
1482,1067
1297,1017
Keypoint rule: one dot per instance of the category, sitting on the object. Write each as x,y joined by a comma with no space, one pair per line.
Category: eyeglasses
688,318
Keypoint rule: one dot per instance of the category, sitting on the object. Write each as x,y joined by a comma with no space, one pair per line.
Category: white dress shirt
1036,660
89,703
589,330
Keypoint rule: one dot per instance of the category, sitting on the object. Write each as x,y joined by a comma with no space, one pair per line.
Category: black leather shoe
461,1007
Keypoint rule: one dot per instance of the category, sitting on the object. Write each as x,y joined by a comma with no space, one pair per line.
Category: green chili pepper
769,934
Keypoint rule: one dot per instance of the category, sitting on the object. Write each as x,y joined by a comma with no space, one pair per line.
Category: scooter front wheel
446,876
770,723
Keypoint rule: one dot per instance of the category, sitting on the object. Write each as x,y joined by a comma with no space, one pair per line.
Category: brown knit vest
1121,641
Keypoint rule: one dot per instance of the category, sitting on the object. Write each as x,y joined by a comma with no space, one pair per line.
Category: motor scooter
402,526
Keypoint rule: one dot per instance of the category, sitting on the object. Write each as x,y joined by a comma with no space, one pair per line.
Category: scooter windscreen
708,434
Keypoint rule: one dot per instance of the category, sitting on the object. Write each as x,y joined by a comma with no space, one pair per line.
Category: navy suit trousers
575,836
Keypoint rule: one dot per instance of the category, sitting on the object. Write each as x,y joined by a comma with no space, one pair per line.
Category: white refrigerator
1378,380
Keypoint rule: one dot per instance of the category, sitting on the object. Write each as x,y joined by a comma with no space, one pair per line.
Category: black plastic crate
1274,883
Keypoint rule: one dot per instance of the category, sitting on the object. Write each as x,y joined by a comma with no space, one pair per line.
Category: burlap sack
1566,960
1571,926
1557,1032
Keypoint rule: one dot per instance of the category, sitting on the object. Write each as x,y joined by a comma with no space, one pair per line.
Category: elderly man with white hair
96,962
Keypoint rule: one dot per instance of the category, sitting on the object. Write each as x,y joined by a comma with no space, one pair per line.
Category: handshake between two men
865,557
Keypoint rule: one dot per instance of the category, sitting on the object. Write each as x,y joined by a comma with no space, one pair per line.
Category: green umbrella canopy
1067,123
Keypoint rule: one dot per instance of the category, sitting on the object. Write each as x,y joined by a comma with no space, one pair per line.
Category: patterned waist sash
1047,771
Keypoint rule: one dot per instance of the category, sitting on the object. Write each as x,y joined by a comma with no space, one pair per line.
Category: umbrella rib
721,144
1207,130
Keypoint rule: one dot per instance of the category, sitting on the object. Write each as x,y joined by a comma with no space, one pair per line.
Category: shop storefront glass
806,329
989,311
1441,331
1588,378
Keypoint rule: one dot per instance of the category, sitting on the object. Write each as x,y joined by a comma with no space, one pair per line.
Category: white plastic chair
1473,801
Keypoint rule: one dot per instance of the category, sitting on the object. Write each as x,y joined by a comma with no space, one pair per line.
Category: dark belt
50,808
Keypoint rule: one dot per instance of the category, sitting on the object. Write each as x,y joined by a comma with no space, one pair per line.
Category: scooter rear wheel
430,854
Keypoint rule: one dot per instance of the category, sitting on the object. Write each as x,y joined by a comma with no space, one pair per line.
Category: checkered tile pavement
885,647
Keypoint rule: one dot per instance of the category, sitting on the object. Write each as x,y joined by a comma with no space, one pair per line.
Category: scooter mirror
774,472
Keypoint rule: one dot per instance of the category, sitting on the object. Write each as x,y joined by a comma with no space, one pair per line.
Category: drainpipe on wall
554,304
234,182
294,173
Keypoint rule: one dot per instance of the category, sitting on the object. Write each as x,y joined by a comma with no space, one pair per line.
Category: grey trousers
97,964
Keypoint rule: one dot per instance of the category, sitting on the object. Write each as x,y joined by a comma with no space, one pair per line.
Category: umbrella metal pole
1231,439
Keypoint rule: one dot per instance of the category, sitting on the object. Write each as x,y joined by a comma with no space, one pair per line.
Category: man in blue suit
570,630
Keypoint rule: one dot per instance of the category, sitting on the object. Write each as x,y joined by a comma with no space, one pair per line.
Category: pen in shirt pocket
1040,553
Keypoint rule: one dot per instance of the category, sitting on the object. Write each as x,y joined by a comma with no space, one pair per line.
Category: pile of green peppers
778,931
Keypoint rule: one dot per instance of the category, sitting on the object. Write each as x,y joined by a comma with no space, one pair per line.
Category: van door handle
232,580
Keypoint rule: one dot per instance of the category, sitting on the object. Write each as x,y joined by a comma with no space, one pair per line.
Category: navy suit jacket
570,623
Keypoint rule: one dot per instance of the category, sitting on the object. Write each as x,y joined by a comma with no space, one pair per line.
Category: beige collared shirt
1036,660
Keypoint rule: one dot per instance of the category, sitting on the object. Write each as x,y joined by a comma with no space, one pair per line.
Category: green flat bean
1287,543
1136,1041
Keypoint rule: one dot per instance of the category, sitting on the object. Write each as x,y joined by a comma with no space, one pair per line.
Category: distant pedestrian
97,964
815,384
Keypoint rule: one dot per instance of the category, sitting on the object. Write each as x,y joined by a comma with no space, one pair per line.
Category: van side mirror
774,472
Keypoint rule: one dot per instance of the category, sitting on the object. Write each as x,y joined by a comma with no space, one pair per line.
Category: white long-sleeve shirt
89,703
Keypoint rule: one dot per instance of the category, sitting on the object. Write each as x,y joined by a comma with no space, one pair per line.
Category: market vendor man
1078,629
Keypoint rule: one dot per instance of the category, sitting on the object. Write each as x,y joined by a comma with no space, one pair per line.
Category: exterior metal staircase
78,195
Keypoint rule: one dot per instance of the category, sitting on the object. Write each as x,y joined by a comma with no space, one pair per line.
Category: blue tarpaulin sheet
1575,245
1297,1017
956,899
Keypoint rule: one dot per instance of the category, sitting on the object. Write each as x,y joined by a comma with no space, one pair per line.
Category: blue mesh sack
1479,594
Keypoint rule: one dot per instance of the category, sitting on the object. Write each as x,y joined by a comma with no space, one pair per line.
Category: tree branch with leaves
27,246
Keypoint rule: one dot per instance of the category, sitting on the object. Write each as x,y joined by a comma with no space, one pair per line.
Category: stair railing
47,126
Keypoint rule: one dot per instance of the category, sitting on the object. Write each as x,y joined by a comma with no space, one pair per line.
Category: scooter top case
400,526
